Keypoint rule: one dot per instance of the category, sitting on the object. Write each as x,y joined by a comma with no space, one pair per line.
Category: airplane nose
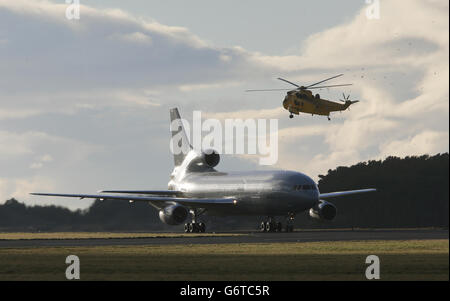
316,195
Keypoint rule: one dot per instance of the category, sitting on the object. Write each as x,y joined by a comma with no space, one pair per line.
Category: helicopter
303,100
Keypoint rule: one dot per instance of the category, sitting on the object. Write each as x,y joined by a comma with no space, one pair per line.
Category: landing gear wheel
196,228
270,227
201,227
291,116
262,227
279,227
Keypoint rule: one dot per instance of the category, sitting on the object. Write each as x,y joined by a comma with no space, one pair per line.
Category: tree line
411,192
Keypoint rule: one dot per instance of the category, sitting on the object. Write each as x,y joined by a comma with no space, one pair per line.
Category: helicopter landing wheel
329,118
291,116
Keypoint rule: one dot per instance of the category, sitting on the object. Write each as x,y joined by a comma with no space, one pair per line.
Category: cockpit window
304,187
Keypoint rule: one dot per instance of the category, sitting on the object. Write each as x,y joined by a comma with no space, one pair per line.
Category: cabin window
317,96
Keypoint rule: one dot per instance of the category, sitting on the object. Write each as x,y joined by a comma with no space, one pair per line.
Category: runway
246,237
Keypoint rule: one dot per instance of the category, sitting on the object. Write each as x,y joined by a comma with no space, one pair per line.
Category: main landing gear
291,116
194,226
272,226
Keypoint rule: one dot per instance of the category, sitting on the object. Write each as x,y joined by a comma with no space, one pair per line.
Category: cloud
19,188
244,114
403,31
39,163
50,63
426,142
399,67
105,48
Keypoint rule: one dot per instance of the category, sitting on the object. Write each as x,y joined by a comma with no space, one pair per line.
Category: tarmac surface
246,237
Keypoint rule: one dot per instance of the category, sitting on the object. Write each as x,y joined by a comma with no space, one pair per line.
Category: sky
84,103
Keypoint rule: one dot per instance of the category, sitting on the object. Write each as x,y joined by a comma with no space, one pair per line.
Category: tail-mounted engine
206,159
173,214
323,211
211,157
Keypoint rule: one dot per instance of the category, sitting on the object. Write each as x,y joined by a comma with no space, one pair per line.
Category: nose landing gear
290,222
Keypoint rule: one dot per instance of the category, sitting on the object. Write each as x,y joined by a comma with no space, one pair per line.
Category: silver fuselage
257,192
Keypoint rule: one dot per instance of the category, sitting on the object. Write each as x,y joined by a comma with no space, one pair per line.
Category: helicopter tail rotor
347,100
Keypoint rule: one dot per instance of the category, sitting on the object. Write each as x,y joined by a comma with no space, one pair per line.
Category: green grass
400,260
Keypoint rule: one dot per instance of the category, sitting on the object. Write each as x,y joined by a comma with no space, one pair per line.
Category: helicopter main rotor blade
331,86
265,90
324,80
289,82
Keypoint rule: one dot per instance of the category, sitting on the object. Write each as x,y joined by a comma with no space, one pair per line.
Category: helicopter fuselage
304,101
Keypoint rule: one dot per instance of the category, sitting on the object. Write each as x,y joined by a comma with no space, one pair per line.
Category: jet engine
323,211
208,158
173,214
211,157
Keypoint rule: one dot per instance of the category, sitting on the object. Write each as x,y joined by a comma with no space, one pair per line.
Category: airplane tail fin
180,145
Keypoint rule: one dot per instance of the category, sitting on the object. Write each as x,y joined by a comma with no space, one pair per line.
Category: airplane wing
156,192
157,200
342,193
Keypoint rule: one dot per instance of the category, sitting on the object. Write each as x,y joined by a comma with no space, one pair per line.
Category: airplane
303,100
196,188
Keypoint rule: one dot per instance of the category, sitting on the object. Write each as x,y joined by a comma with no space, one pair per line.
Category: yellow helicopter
303,100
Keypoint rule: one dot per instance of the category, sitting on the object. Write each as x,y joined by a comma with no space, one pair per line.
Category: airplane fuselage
258,192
